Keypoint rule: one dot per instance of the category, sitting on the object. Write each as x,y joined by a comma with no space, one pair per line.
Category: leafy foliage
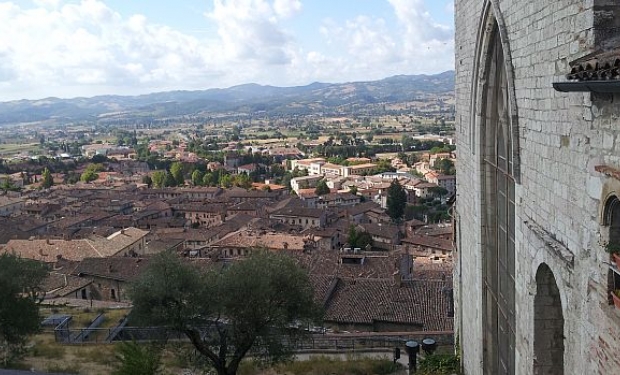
146,179
47,181
612,248
439,364
158,179
321,188
446,166
19,311
176,169
227,311
136,359
197,177
359,239
396,200
90,173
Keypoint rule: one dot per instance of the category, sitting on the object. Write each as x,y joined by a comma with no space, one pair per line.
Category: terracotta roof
117,241
48,250
248,167
7,201
362,166
258,239
359,209
60,285
366,301
435,229
299,212
600,65
323,286
245,206
307,193
342,196
381,230
117,268
430,242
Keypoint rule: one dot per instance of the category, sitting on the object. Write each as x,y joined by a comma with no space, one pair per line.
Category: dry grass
47,355
321,365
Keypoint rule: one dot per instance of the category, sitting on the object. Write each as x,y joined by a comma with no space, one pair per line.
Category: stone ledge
555,247
608,171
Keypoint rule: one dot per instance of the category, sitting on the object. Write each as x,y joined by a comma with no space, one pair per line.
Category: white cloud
417,44
47,3
249,30
286,8
74,48
58,47
418,24
450,7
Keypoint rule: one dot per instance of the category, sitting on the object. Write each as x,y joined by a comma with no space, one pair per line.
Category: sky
74,48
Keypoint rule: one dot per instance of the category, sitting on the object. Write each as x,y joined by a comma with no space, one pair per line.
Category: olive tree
19,298
226,311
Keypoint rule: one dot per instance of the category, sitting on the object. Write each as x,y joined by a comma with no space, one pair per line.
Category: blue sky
69,48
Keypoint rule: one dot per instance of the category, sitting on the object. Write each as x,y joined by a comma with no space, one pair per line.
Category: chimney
123,231
398,279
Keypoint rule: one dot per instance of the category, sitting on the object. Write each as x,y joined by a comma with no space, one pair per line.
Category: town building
538,182
10,206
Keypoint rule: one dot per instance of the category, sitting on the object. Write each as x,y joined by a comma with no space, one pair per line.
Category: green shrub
136,359
439,364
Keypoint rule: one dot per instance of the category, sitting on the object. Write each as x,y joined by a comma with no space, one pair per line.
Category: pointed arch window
499,212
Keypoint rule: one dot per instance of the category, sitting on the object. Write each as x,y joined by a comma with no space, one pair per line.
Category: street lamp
412,348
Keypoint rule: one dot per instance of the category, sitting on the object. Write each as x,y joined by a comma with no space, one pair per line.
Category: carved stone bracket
555,247
608,171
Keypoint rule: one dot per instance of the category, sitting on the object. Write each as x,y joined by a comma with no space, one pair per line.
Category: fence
299,343
84,334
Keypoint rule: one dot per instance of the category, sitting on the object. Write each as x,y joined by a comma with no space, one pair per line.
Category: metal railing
299,343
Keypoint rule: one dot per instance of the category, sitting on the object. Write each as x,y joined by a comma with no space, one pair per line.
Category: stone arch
611,217
548,325
492,26
611,235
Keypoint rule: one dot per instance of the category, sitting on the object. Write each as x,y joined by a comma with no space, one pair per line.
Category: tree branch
194,337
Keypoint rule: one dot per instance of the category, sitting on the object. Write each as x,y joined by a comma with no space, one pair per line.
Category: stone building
538,186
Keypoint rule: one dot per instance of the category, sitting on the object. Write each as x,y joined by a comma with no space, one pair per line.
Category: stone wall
562,137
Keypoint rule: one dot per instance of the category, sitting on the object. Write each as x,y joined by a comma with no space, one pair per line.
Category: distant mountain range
248,98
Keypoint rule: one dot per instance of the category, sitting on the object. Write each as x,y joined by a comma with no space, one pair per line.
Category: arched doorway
548,325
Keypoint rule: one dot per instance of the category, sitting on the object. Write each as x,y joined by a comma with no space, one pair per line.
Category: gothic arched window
499,212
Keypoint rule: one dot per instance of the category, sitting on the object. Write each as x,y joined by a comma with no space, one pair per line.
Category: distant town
361,202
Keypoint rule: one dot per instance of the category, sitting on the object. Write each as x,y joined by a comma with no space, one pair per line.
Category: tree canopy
446,166
226,311
47,180
322,188
396,200
90,173
19,311
158,179
176,169
359,239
